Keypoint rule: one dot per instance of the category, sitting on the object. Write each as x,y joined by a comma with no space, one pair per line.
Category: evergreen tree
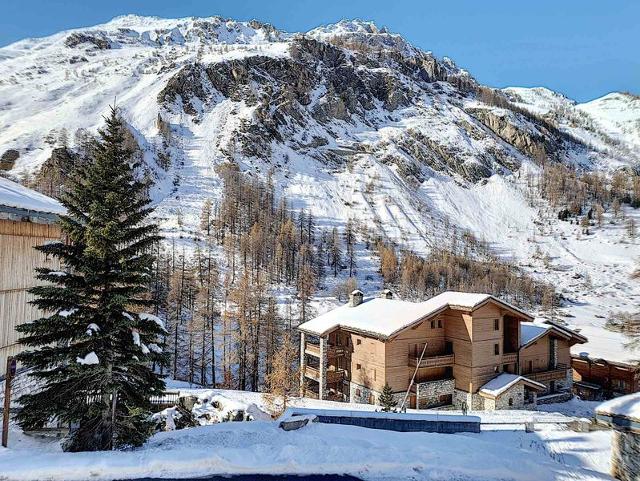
94,351
387,401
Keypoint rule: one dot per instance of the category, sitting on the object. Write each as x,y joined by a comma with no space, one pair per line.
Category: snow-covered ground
501,451
261,447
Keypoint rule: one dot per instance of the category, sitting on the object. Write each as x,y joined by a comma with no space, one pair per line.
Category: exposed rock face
8,159
338,96
76,39
534,142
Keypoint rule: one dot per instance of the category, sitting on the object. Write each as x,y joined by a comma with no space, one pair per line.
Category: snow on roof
501,383
385,317
627,406
20,197
530,331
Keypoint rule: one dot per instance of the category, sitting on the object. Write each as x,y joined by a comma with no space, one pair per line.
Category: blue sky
583,49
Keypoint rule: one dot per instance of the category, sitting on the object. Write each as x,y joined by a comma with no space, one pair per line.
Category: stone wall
474,402
565,384
365,392
428,394
625,456
515,394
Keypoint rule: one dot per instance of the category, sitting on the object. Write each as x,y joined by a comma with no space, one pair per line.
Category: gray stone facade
431,393
512,398
361,394
474,402
625,456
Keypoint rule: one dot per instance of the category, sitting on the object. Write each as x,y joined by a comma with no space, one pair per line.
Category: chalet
456,347
606,366
597,379
27,219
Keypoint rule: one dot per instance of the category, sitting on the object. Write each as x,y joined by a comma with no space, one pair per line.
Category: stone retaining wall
428,393
625,456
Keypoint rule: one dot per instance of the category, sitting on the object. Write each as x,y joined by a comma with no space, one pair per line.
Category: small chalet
606,366
456,348
27,219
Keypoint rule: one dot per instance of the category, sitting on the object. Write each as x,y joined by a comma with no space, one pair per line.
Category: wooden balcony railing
332,376
444,360
509,357
551,375
312,349
332,351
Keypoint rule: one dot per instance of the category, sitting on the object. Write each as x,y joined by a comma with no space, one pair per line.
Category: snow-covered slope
352,122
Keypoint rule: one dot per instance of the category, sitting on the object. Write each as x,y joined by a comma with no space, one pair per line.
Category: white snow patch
89,359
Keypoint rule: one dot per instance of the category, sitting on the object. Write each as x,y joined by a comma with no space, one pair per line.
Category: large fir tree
93,352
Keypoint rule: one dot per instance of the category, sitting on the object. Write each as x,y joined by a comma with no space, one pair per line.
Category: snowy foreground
499,452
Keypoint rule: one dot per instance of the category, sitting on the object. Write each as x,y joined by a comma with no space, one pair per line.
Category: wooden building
597,379
27,219
457,347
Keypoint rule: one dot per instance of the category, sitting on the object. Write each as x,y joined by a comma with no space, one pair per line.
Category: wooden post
403,406
11,370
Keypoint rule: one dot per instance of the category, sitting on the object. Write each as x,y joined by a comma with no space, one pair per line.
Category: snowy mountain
351,121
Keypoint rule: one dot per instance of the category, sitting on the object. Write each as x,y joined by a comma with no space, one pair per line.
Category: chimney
386,294
355,298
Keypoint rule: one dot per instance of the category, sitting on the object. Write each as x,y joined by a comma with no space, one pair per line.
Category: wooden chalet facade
27,219
479,351
598,379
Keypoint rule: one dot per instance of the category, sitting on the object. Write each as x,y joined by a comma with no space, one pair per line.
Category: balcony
551,375
332,351
509,357
332,376
444,360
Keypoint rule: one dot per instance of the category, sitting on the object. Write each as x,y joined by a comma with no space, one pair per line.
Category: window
619,384
510,401
439,322
496,349
359,341
358,367
496,324
372,399
433,324
496,369
530,366
505,368
358,392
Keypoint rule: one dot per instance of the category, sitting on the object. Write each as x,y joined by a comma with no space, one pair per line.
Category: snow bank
626,406
261,447
215,408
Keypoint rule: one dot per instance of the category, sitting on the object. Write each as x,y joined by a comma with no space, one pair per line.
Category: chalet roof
380,317
15,197
501,383
532,331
